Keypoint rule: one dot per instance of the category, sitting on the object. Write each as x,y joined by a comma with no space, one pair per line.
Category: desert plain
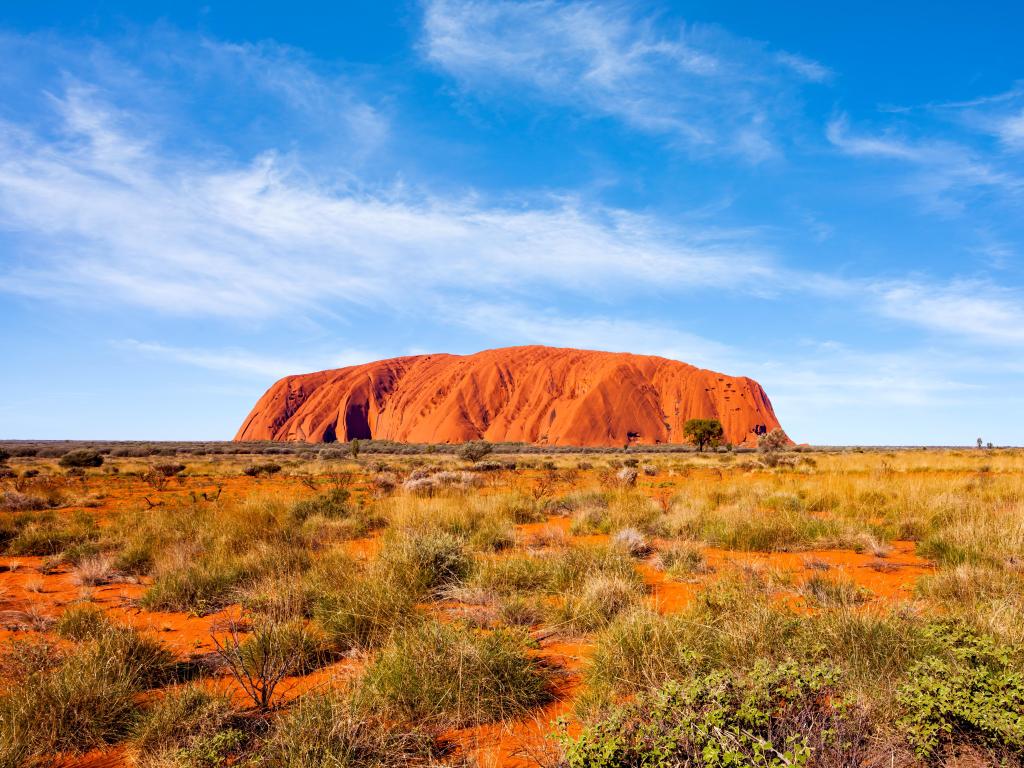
374,604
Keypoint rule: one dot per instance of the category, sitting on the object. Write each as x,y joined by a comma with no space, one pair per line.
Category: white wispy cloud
977,310
706,89
114,216
943,171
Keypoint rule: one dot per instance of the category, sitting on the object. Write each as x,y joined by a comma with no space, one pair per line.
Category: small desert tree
353,448
703,432
474,450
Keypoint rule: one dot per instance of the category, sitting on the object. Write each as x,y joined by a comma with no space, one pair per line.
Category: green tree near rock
704,432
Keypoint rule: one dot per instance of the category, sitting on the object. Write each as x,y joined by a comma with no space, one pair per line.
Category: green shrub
774,716
49,535
826,591
255,470
753,531
520,509
212,750
211,580
201,587
684,558
474,450
512,573
493,534
575,565
454,676
81,458
333,505
972,691
638,650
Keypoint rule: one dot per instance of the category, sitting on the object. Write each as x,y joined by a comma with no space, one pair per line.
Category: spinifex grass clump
359,607
600,600
200,556
49,533
187,726
427,559
683,559
451,675
85,698
828,591
335,729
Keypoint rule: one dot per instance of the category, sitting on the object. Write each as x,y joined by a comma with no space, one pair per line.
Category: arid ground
202,608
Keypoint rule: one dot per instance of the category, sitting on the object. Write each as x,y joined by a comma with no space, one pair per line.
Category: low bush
255,470
81,458
826,591
270,651
970,691
474,450
683,559
82,622
427,559
50,535
358,609
512,574
773,716
333,505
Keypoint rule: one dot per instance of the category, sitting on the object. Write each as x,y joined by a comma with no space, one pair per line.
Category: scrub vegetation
166,605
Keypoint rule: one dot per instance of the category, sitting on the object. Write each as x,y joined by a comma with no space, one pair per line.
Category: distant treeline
139,449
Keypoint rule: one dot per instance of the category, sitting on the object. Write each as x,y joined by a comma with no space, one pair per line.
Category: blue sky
826,198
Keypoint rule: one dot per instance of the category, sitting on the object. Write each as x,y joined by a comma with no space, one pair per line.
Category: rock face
529,394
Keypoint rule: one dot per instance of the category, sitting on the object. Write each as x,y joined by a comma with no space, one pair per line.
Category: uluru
533,394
